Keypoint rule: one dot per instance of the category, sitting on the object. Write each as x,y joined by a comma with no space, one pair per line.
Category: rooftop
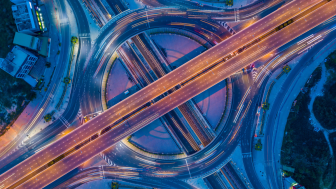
27,41
14,60
23,14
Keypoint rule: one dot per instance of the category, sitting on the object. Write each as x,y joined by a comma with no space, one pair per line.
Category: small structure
290,183
39,44
28,41
27,17
289,169
18,63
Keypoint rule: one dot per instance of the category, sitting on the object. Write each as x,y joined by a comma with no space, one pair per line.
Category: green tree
31,96
67,80
48,64
258,146
286,69
47,117
74,40
265,106
114,185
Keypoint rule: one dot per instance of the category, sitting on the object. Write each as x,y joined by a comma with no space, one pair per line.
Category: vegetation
265,106
15,93
48,64
74,40
47,117
314,78
7,29
305,149
229,2
324,107
286,69
114,185
331,61
67,80
258,146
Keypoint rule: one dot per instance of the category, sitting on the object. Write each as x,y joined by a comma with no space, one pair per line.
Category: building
27,17
39,44
290,183
25,40
18,63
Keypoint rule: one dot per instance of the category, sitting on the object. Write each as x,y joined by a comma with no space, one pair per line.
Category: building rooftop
45,46
24,16
27,41
12,63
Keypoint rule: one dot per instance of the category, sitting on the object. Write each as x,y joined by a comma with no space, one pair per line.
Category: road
88,94
52,130
78,177
63,59
161,107
71,111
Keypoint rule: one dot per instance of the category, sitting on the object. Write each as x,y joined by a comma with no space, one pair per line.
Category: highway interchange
153,90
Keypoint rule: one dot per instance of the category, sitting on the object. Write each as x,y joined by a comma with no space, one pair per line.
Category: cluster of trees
286,69
324,107
258,145
331,61
7,29
229,2
305,149
13,93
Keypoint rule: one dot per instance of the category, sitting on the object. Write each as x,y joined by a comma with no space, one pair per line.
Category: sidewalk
55,98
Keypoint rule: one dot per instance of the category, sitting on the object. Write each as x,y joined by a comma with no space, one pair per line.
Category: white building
27,17
18,63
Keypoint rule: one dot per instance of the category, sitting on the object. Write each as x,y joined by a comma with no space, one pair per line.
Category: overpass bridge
192,78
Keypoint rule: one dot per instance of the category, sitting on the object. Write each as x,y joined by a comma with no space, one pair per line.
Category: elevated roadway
131,175
203,82
86,92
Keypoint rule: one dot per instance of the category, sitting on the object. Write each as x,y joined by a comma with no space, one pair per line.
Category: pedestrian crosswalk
254,74
227,27
64,121
83,35
106,159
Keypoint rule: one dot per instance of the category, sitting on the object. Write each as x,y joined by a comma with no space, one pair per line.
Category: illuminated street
172,94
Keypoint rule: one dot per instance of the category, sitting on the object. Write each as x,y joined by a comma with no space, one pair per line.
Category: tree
48,64
286,69
114,185
74,40
47,117
67,80
265,106
258,146
31,96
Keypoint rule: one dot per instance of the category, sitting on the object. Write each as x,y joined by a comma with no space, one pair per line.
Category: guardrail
149,154
228,105
107,71
184,33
